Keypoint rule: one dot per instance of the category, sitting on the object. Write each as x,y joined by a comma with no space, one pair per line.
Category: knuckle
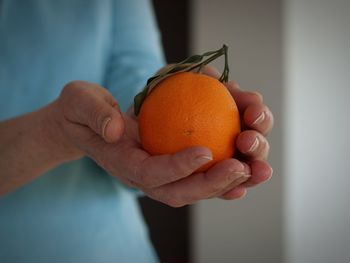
68,87
72,93
78,88
72,86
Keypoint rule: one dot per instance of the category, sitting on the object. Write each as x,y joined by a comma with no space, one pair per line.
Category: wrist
53,132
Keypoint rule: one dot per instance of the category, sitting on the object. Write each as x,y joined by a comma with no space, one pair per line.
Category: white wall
297,53
249,230
317,38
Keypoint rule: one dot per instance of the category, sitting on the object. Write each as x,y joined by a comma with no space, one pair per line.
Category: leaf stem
225,73
189,64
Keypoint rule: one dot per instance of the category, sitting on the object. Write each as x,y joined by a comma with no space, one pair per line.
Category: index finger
158,170
136,167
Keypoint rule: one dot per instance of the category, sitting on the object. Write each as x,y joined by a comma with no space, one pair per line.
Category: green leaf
189,64
209,53
151,79
138,100
192,59
178,68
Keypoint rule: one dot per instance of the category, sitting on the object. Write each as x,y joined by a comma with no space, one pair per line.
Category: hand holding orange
180,108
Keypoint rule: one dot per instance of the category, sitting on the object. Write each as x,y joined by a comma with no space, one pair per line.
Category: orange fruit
189,109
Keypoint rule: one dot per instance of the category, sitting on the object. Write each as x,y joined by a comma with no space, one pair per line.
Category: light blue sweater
76,212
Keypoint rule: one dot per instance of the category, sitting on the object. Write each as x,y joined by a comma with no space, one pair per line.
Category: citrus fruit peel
181,108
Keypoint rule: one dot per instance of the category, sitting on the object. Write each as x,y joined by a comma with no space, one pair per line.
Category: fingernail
237,172
234,176
104,126
259,119
239,168
202,159
247,175
254,146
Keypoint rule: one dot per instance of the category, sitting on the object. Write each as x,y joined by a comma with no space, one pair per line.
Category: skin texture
86,120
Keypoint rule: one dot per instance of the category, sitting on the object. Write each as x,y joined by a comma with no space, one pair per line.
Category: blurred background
297,54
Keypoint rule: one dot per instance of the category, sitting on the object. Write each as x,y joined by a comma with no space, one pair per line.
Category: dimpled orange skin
189,109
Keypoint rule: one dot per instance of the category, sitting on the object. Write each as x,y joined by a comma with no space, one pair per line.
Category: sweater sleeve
136,51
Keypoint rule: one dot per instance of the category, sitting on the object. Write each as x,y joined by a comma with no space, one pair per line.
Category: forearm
29,146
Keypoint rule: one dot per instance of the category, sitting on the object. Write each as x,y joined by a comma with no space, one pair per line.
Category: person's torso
76,212
45,44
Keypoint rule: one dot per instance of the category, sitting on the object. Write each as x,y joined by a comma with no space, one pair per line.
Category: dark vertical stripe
169,227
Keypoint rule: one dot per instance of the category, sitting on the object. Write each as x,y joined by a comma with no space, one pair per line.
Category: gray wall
317,81
249,230
297,53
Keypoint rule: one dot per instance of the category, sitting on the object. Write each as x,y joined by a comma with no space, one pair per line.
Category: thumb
112,125
93,106
104,119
